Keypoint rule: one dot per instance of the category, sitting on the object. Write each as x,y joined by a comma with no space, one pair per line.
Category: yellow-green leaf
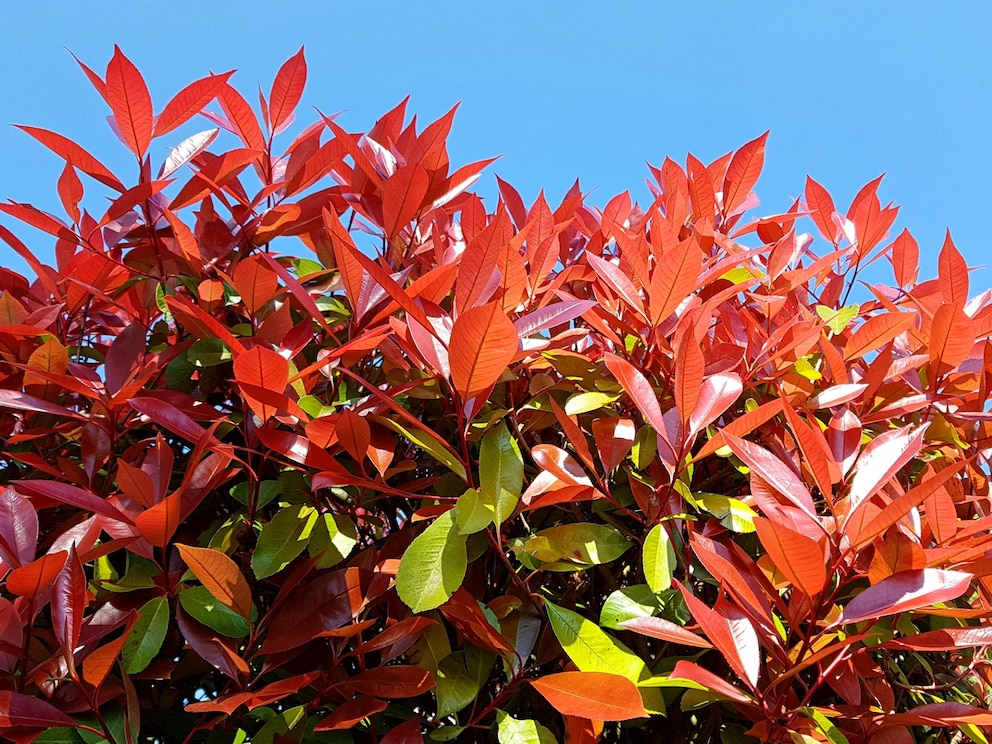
659,559
434,565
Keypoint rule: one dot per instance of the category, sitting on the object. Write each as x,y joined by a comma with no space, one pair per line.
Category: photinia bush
514,474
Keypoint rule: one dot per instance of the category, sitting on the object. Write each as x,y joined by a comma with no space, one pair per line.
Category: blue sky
562,90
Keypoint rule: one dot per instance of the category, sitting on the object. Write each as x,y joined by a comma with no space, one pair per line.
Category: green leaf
591,649
827,728
145,639
659,559
584,543
282,539
59,736
645,447
838,320
456,688
203,607
501,472
289,721
267,492
472,513
626,604
434,565
139,574
431,648
209,352
332,540
428,444
585,402
516,731
733,513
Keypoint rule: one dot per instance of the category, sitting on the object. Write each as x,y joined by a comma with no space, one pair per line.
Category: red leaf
28,711
952,337
131,103
190,101
18,528
241,118
816,451
739,648
821,205
98,663
700,189
952,272
773,471
905,259
941,715
695,673
352,712
212,649
877,331
905,591
70,191
403,197
595,695
395,681
483,343
256,282
674,278
72,495
882,459
73,153
68,603
33,578
946,639
478,261
614,439
742,173
322,605
159,523
689,366
407,732
354,433
287,89
220,575
265,369
799,558
615,279
665,630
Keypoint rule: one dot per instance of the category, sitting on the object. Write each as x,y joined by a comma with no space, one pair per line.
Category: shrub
525,475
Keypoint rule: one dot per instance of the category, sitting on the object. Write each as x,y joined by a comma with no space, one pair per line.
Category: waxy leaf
203,607
145,639
905,591
283,538
18,528
501,473
434,565
131,103
33,578
596,695
28,711
799,558
512,730
659,558
483,343
582,543
590,649
665,630
220,576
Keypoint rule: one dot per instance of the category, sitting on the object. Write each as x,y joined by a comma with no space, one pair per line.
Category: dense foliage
522,473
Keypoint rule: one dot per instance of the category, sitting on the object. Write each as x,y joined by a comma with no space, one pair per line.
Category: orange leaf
221,577
158,524
131,103
287,89
876,332
403,197
799,558
483,343
265,369
905,259
98,664
255,282
952,336
595,695
33,578
952,272
674,278
743,172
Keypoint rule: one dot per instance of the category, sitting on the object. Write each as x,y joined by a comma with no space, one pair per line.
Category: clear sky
569,89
